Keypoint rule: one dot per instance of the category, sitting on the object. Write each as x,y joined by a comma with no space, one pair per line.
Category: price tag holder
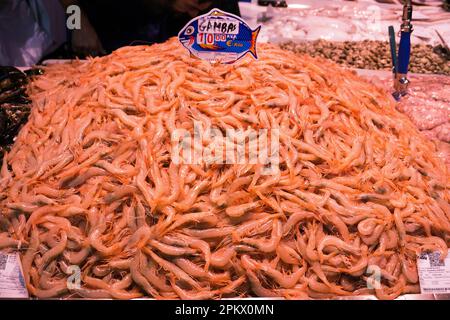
219,36
434,274
12,283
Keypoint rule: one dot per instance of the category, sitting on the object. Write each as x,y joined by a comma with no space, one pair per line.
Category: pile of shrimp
90,184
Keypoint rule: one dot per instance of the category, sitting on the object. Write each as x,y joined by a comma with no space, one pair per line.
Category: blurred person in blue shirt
108,25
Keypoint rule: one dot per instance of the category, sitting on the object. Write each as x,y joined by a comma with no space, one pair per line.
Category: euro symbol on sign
229,43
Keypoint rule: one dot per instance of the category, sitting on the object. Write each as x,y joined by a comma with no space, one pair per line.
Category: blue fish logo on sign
219,36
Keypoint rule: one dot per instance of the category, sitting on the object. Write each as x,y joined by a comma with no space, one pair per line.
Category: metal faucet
401,82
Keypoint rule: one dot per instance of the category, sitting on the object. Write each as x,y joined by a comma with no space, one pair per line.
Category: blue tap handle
404,51
393,48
